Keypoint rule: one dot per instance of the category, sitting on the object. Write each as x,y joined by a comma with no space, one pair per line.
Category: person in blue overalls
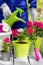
8,6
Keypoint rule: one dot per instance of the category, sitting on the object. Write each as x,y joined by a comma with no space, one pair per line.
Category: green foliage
5,46
21,37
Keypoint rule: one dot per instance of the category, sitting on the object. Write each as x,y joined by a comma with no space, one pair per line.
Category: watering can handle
36,54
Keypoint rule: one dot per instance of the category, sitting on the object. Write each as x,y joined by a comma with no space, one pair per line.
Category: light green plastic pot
21,50
37,43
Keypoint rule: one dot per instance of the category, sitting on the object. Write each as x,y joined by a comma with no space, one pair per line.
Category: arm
33,6
5,9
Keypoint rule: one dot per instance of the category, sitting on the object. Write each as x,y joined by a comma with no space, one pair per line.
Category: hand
34,14
6,27
6,10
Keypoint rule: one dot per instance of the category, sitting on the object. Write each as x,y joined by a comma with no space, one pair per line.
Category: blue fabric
1,16
1,2
17,3
33,3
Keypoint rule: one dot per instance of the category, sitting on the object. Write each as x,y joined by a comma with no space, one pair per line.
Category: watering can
13,17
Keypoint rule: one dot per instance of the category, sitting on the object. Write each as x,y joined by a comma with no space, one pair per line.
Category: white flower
20,30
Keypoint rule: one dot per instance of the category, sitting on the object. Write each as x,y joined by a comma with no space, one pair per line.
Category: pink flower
6,40
29,23
38,24
1,26
14,33
30,30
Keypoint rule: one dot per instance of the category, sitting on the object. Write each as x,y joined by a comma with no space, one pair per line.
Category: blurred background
39,10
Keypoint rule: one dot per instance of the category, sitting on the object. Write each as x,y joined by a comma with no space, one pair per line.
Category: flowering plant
34,30
5,45
19,33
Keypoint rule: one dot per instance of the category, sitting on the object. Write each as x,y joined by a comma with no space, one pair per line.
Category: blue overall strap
33,3
1,2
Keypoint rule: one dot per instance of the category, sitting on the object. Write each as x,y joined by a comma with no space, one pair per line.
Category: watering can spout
13,18
19,19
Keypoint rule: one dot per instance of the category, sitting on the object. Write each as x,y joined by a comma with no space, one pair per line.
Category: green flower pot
21,50
38,43
41,47
31,48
